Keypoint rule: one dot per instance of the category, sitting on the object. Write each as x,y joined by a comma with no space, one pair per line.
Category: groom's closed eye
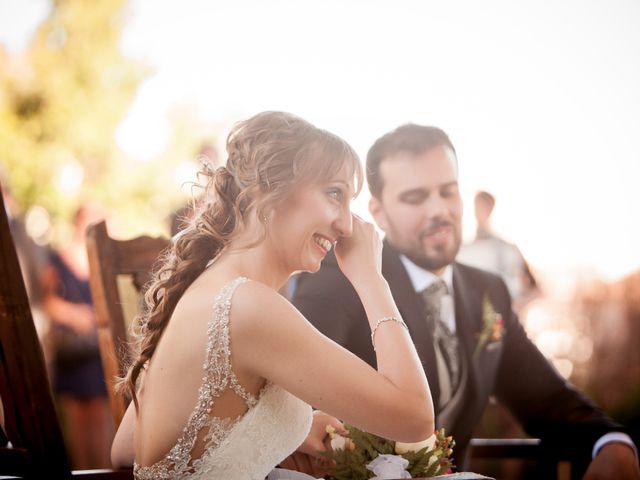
414,197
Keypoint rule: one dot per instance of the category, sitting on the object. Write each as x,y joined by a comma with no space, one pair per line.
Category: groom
460,318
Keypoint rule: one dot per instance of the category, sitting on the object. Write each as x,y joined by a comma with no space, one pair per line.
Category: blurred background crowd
107,107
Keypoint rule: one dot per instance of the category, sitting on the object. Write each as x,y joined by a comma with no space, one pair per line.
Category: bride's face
305,226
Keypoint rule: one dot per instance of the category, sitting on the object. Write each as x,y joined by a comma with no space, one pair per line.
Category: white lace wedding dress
242,448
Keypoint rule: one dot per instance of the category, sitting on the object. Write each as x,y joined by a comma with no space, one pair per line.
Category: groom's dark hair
410,138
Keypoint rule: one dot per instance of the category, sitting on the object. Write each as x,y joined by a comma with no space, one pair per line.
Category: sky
540,98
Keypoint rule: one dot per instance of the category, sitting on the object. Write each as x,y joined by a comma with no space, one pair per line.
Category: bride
227,369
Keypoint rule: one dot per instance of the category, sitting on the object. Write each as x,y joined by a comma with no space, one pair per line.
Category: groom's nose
435,206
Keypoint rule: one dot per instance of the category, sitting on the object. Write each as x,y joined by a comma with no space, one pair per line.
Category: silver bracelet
380,322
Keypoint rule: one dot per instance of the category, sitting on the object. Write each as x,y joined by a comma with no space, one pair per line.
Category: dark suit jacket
511,368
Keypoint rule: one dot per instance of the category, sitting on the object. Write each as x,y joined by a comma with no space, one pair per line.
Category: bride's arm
122,452
273,340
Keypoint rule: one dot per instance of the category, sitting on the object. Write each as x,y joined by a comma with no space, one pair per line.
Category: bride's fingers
337,425
359,219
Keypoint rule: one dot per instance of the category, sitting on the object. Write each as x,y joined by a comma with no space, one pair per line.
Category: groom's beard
417,249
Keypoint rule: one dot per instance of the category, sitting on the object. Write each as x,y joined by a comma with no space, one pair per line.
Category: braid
210,231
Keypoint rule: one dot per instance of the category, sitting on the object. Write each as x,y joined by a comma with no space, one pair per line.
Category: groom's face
420,208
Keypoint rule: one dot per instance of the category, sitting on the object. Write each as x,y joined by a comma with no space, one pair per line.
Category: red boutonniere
492,326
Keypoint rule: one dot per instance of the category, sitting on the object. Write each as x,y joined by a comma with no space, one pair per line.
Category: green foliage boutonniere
492,326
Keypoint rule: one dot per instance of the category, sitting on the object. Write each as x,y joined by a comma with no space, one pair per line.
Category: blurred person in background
490,252
78,378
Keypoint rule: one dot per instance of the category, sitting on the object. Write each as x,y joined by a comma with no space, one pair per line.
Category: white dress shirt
421,279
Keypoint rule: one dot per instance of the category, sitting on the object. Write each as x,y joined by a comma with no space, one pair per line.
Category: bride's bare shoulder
253,297
256,304
254,307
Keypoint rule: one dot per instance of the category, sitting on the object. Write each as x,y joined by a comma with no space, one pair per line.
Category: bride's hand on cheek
360,255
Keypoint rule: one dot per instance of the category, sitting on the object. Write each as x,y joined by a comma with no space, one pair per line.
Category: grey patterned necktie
446,342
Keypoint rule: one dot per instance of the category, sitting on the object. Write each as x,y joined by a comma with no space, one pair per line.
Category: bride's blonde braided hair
268,155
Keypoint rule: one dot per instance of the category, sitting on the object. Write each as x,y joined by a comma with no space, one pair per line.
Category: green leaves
351,464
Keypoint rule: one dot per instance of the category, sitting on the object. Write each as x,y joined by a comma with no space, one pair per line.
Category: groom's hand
614,461
307,458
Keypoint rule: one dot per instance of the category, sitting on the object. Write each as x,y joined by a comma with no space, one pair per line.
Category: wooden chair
31,424
111,263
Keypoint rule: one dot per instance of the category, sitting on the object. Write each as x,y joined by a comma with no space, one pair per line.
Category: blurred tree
60,103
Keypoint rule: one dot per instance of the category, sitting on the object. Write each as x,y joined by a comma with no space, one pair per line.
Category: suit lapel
412,310
468,305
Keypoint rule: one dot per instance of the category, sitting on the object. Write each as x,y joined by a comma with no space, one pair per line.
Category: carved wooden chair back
118,270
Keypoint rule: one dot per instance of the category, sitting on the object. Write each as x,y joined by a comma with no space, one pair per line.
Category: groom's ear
377,212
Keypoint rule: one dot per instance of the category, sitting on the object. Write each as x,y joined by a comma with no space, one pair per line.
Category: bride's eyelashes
335,193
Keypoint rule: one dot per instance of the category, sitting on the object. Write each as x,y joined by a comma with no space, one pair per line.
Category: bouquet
360,455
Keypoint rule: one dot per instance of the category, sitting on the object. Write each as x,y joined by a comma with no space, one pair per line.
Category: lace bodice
244,447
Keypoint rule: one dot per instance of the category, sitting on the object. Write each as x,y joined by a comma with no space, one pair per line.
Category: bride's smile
323,243
306,225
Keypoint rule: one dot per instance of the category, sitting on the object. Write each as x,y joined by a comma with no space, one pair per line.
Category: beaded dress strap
218,376
220,325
